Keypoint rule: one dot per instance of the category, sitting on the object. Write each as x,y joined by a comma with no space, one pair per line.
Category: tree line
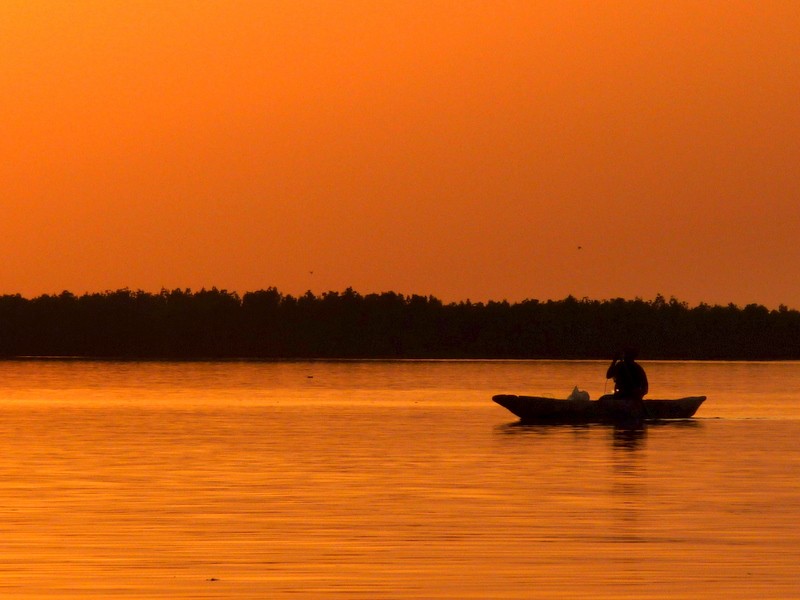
267,324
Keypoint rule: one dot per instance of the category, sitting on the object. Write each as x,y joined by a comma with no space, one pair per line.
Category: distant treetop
267,324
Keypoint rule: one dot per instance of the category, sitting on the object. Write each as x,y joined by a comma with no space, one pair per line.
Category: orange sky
458,148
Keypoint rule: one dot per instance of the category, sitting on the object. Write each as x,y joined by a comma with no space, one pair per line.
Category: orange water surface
393,480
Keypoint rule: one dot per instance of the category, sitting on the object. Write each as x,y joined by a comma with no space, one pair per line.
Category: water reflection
628,437
523,428
628,488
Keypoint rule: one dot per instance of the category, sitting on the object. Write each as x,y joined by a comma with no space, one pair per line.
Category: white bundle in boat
578,394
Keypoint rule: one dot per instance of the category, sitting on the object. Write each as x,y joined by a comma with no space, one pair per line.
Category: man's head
630,353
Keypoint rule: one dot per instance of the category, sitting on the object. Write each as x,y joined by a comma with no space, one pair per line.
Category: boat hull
607,409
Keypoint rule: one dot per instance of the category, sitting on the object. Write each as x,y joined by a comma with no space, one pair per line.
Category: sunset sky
466,149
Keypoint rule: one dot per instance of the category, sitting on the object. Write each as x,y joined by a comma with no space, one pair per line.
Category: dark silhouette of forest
266,324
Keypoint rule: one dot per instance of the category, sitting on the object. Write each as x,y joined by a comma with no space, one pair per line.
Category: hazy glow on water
390,480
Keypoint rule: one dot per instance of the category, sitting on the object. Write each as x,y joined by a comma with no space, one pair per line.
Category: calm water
391,480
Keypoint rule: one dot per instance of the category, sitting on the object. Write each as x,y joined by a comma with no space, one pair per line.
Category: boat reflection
627,488
628,437
623,435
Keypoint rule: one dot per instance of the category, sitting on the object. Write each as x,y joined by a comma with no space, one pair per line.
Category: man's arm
612,370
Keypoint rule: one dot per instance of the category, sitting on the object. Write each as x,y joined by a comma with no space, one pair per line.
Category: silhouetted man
630,380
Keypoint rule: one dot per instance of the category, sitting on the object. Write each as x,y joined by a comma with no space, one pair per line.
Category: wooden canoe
606,409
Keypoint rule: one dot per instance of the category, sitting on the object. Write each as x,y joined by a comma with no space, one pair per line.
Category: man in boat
630,380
